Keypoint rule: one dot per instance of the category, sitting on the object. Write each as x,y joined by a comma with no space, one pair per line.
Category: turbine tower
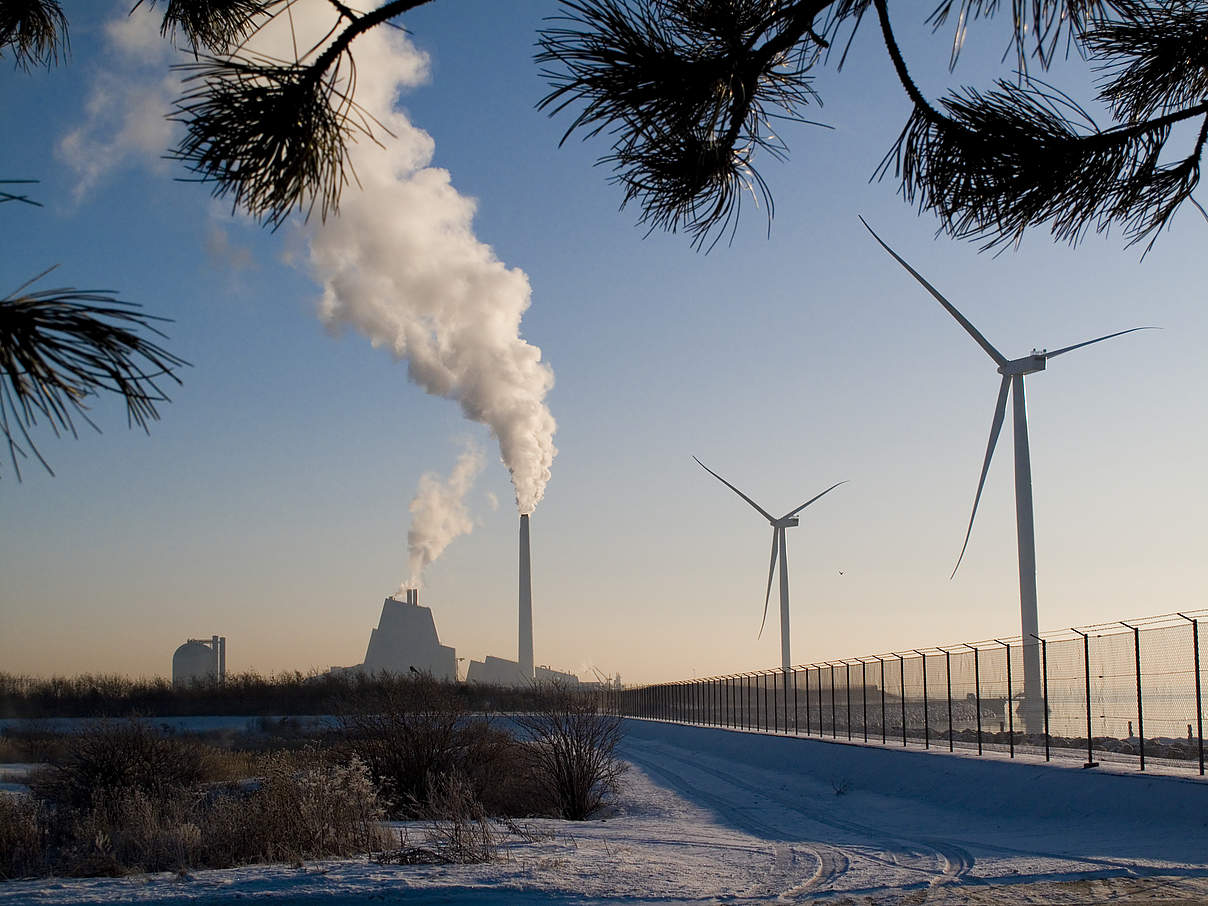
1013,372
788,520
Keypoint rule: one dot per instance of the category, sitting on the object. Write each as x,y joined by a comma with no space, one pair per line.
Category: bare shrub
414,731
10,750
23,837
573,745
458,825
131,830
498,769
114,757
321,808
304,804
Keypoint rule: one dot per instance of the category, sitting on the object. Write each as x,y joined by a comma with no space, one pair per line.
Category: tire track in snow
940,862
829,863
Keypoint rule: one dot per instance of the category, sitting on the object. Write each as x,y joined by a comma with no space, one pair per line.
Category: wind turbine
788,520
1013,372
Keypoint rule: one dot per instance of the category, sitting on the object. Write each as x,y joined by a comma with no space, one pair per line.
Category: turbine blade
792,513
999,411
997,356
766,515
771,572
1119,333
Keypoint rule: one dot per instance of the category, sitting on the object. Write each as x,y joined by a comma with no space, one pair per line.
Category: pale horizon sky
270,503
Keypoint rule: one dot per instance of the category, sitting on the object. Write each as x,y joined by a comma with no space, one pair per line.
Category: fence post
1044,662
834,720
884,738
784,671
948,677
902,686
864,694
822,722
1010,701
740,702
764,679
977,693
1199,702
1086,660
1140,711
747,701
807,700
848,674
926,717
756,689
796,710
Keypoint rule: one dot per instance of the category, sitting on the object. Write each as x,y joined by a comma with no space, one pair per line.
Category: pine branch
1153,60
274,135
34,32
214,25
60,346
9,196
1040,24
996,164
689,91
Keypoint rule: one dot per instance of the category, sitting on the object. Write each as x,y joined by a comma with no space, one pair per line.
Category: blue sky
270,504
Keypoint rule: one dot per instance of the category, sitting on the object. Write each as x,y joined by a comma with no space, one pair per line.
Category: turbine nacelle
788,522
1026,365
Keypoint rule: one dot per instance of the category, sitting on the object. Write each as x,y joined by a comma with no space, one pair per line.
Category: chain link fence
1127,692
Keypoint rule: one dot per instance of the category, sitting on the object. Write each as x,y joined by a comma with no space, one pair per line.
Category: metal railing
1119,692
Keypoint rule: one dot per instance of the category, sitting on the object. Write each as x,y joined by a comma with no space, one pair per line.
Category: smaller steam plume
439,513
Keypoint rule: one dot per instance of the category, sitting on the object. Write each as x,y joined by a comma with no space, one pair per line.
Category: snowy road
875,823
712,816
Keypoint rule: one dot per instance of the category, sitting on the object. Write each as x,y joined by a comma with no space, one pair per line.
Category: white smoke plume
439,513
400,262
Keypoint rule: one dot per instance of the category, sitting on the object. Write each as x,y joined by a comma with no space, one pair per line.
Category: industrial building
497,671
405,641
200,661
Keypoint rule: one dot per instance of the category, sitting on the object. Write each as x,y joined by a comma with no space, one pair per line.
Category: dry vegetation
124,796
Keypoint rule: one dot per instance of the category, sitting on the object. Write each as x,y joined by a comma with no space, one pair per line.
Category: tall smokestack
215,660
222,659
525,658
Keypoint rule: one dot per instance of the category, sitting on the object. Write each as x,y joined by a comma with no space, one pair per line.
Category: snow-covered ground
712,815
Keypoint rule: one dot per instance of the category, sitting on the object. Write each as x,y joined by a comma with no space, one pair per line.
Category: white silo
200,661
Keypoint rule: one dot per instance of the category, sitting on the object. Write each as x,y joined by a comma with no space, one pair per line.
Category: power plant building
405,641
497,671
200,661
